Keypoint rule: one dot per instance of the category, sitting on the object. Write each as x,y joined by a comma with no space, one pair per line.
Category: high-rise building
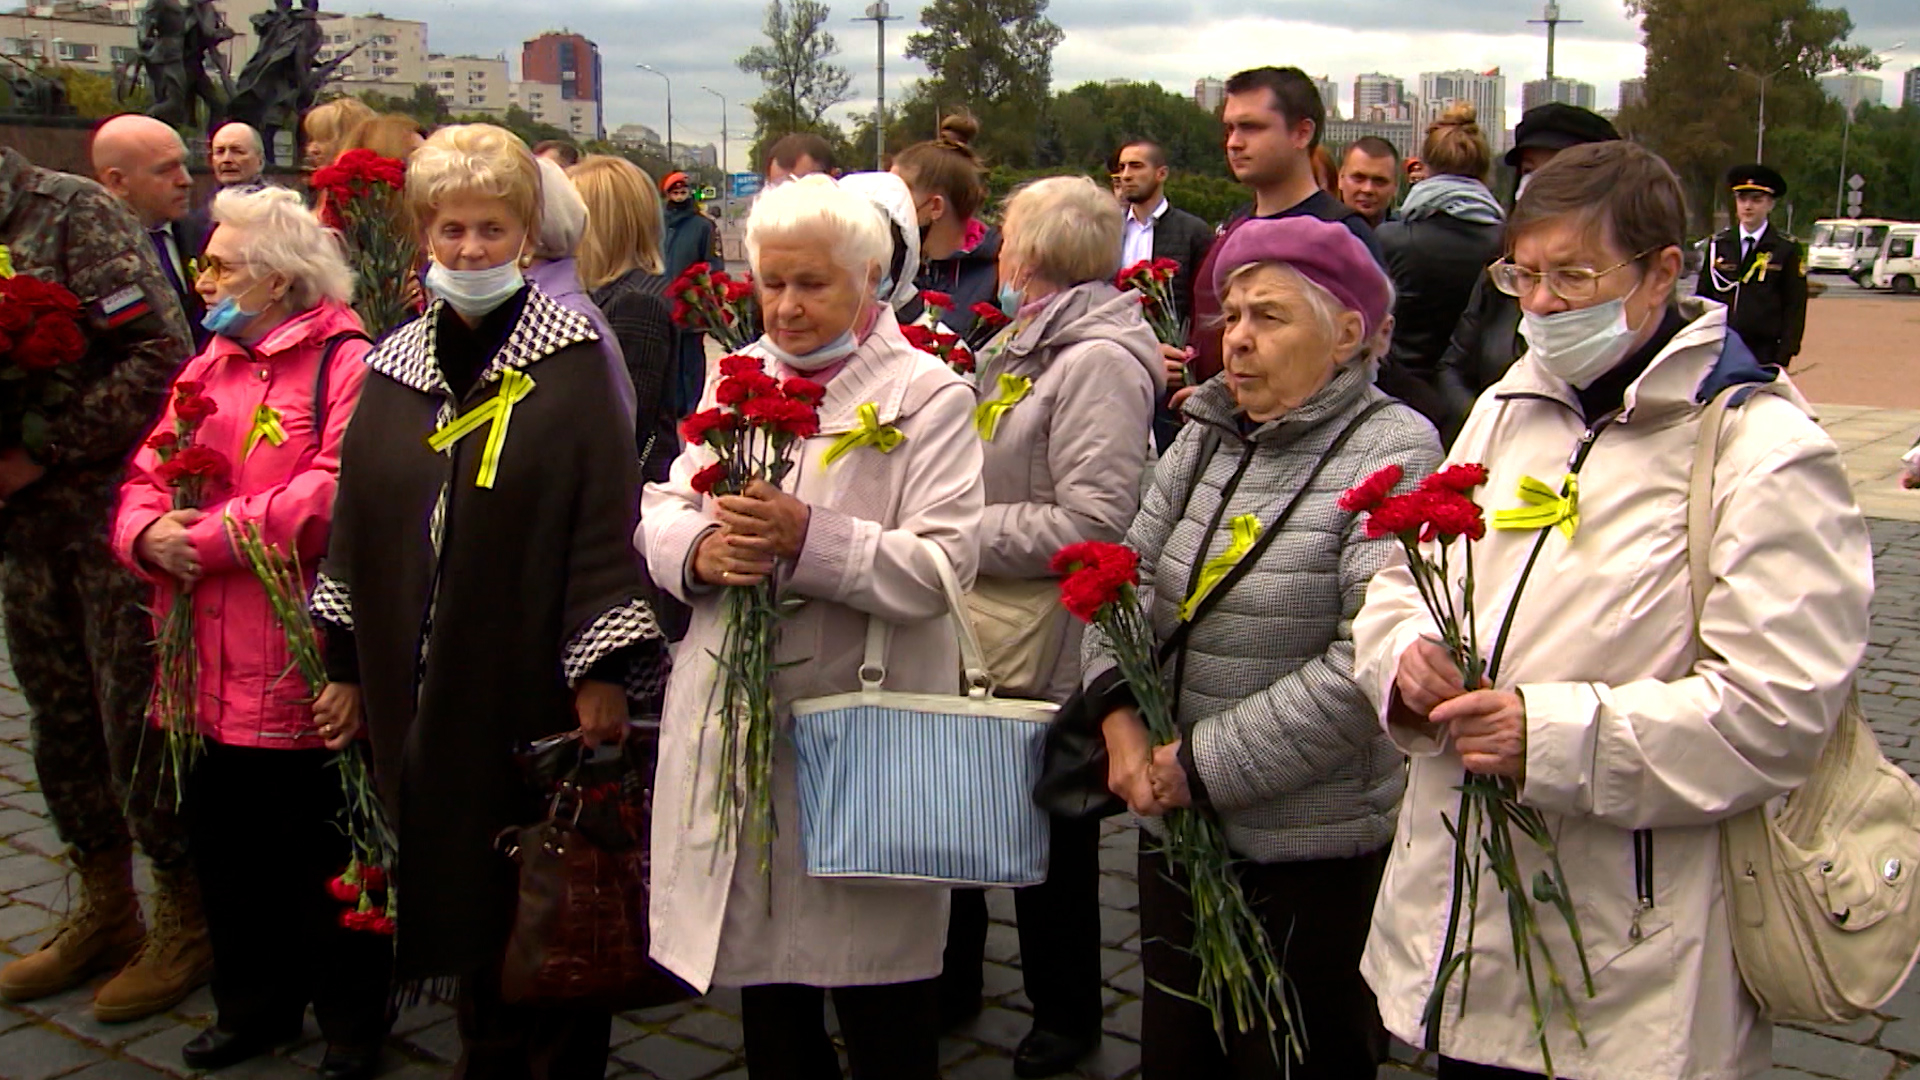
1633,92
1566,91
1486,91
1341,134
570,62
1373,91
1911,98
1853,90
1209,94
471,84
1329,96
391,54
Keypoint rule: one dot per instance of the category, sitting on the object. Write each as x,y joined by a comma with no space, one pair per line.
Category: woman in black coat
481,592
1447,232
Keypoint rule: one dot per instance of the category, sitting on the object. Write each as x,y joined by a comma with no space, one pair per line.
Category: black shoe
1047,1053
217,1048
350,1062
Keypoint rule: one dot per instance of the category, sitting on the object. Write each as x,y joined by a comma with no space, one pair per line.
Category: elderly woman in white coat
1078,372
847,539
1632,727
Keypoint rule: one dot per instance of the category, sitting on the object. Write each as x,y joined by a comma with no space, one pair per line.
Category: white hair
563,214
1065,230
858,229
279,235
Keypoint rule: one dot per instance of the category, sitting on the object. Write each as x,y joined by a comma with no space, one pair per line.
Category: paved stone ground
58,1037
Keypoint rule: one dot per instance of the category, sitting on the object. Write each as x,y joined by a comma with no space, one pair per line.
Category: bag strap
873,665
324,376
1178,639
1706,451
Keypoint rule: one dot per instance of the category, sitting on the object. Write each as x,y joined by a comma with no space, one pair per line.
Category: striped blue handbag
929,788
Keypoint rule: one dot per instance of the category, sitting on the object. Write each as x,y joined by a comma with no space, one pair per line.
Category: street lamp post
726,172
669,82
1760,138
1846,137
879,14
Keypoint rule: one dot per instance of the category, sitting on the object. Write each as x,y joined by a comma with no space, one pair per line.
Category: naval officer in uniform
1757,270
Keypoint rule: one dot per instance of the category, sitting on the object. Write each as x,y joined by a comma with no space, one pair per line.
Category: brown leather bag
580,931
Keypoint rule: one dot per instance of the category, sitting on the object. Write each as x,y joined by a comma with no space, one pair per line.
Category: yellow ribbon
871,432
492,414
266,425
1760,266
986,415
1246,529
6,262
1545,509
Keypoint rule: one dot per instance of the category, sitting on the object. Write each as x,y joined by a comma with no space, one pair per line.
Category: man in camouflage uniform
75,619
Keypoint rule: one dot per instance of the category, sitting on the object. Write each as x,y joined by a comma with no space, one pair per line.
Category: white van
1840,245
1897,268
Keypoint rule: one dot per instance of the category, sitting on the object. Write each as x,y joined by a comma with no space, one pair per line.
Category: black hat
1756,178
1556,126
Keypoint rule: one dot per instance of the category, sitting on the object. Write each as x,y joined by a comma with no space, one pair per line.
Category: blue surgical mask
474,293
823,357
227,319
1010,300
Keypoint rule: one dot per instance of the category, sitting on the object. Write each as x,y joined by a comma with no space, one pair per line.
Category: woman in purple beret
1280,743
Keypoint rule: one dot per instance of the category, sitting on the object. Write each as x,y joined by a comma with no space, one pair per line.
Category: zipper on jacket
1642,878
1200,559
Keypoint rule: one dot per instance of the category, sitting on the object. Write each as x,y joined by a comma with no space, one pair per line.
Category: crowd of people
477,591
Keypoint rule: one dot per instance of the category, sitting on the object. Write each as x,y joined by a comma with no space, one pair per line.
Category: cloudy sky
1172,42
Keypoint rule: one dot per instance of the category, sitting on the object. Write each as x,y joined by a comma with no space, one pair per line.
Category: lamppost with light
1846,133
669,82
1760,139
726,172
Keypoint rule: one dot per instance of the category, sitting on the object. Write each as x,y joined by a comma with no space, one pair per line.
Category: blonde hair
392,136
856,228
1064,229
280,235
474,159
326,125
623,219
1455,145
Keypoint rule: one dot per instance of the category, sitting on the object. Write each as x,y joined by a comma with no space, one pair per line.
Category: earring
526,259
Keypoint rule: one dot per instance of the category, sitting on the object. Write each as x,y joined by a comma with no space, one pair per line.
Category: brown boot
176,958
99,934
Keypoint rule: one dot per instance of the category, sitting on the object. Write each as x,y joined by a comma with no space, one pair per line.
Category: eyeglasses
218,269
1574,284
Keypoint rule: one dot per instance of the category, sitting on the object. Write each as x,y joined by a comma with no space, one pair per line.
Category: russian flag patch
121,308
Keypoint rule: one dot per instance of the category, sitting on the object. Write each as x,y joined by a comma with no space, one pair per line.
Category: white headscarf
891,194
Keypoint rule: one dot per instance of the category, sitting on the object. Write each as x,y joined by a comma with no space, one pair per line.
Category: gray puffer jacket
1280,740
1064,465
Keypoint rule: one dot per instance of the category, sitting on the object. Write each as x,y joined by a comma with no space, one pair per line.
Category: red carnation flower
736,291
1456,478
1371,492
920,338
708,478
1093,574
804,390
379,924
782,414
200,461
53,342
189,388
989,314
746,386
706,426
936,299
165,442
193,411
1452,515
169,472
42,298
373,877
1166,266
345,891
1400,515
699,272
15,317
737,364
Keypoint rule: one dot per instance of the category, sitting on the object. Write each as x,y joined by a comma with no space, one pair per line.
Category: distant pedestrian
1370,178
800,154
689,240
1437,251
552,270
1758,271
325,128
959,253
237,155
1156,229
559,151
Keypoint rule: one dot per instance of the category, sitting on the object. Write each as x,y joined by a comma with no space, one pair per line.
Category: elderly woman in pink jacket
284,372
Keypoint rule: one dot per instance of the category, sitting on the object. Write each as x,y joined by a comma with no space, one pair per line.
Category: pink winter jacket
248,694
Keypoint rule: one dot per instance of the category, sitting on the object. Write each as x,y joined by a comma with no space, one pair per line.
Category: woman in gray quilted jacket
1279,741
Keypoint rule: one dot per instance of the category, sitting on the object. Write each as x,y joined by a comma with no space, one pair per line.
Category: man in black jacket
1756,270
1156,229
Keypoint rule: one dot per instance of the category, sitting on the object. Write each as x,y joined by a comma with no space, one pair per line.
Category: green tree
795,67
1088,124
1699,113
91,93
994,57
424,105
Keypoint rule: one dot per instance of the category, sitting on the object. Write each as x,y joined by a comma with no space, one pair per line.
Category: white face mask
474,293
1580,345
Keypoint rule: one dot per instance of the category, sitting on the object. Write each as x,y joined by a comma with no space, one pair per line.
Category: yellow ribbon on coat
871,432
1545,509
1760,266
266,425
1246,530
493,415
6,262
986,416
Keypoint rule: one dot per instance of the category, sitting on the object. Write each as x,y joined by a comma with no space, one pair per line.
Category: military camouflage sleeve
137,334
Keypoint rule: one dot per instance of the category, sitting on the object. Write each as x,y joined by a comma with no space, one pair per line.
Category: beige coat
1628,725
712,920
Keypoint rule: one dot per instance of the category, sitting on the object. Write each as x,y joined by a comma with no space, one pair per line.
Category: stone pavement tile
1131,981
1116,1059
1118,927
33,1053
675,1059
79,997
996,1027
1902,1037
1124,1022
1785,1074
18,821
1861,1031
162,1049
624,1031
197,1006
1829,1057
54,895
31,801
12,1017
1003,943
1397,1072
999,980
117,1070
80,1022
709,1027
19,872
19,920
441,1041
44,841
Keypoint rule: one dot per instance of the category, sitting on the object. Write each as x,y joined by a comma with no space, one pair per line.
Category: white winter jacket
1629,725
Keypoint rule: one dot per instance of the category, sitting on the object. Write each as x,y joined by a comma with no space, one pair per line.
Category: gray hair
563,214
253,136
281,236
860,235
1065,230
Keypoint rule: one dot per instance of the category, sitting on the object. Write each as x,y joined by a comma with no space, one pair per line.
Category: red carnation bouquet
988,321
1153,280
40,342
755,432
947,348
190,469
366,885
1240,974
360,195
1429,522
710,301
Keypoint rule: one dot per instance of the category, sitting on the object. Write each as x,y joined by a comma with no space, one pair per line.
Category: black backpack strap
324,376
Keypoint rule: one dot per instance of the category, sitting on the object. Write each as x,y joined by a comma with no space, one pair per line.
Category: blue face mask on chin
227,319
1010,300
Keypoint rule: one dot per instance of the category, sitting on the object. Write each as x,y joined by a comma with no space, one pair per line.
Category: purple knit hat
1324,252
